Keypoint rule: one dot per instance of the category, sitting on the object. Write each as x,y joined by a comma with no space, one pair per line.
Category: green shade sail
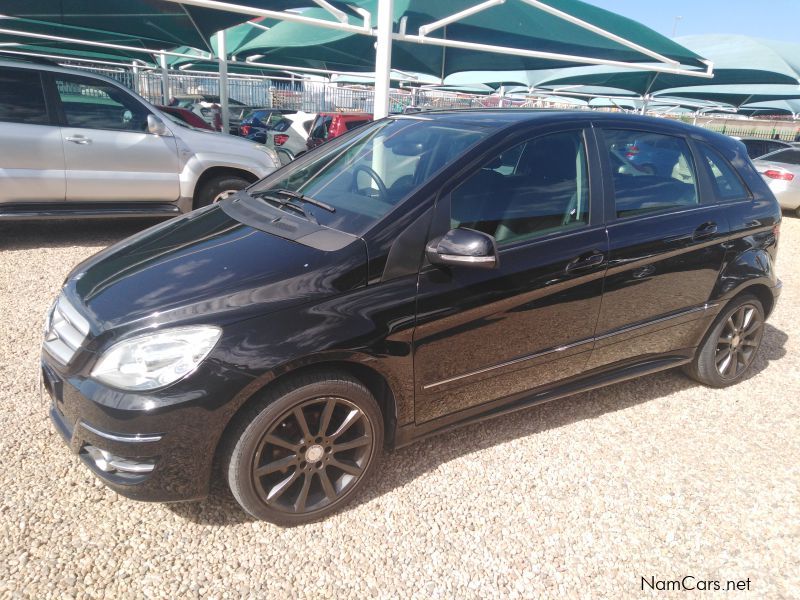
774,107
513,24
735,95
162,24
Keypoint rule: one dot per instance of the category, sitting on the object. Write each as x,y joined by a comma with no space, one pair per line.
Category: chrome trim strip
508,363
469,259
515,361
629,328
115,437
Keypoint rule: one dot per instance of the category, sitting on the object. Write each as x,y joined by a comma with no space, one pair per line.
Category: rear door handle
705,230
585,261
79,139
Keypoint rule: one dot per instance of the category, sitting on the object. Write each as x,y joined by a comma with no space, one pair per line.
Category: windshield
381,165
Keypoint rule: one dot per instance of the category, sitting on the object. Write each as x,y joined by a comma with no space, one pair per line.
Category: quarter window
533,189
787,157
726,182
98,105
22,97
651,172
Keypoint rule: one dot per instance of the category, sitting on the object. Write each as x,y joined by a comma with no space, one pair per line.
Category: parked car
185,115
652,155
93,148
415,274
208,108
261,118
757,147
290,133
331,125
781,171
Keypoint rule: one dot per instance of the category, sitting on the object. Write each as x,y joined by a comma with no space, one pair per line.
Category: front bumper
163,454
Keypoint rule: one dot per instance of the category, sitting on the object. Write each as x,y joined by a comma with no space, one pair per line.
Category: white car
288,136
781,171
75,144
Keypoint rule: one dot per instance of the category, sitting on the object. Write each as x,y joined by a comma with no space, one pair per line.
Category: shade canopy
774,107
514,24
735,95
162,24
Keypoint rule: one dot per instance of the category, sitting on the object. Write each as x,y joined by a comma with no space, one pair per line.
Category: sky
771,19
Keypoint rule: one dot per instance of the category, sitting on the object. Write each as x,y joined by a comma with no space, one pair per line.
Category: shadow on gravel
403,466
66,233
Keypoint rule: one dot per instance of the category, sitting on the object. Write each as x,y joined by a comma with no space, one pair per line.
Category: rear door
486,335
31,155
108,152
666,235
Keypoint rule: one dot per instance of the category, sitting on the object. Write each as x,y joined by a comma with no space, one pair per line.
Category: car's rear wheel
731,344
218,188
305,449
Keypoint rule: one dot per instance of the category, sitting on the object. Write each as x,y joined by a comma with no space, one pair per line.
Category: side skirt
597,378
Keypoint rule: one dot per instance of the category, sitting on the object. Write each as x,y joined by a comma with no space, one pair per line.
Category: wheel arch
375,382
212,172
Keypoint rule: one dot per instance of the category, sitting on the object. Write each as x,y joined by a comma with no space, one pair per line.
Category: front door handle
705,230
585,261
79,139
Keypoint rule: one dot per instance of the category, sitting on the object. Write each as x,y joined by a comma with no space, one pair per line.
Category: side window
651,172
98,105
787,157
535,188
348,125
726,182
22,97
319,130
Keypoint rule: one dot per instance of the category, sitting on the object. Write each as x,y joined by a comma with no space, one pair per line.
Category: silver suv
75,144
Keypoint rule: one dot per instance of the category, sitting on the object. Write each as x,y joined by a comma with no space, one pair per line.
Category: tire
280,474
215,187
736,333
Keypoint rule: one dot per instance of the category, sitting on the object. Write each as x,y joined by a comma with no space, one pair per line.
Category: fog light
111,463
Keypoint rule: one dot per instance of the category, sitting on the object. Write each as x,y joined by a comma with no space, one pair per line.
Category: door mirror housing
156,126
464,248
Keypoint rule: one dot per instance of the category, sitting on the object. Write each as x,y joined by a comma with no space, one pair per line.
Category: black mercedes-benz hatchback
417,273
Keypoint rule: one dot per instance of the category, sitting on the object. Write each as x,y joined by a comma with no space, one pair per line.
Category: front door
483,335
109,154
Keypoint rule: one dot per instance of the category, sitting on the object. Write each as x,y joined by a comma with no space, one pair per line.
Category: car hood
207,267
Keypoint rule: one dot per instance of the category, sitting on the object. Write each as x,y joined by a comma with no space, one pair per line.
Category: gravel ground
582,497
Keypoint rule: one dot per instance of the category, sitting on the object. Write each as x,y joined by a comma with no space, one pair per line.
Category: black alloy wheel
312,455
304,449
738,341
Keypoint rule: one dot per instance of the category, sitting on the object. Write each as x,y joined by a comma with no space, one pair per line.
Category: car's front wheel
305,449
731,344
218,188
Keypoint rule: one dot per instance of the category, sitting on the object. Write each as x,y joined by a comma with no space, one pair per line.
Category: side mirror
463,248
156,126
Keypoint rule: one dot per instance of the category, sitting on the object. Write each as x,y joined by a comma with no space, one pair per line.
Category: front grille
66,331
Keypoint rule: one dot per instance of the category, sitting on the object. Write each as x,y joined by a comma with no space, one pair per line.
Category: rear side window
22,97
348,125
282,125
652,172
534,189
787,157
96,104
726,182
320,128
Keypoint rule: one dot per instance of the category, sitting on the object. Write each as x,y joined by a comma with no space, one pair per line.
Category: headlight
153,360
271,152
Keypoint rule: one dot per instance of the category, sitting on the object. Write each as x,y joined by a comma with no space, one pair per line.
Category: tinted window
320,128
282,125
656,172
22,97
726,182
788,157
755,148
533,189
348,125
99,105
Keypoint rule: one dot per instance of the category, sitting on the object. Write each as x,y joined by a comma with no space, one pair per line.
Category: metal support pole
135,75
162,59
383,58
222,53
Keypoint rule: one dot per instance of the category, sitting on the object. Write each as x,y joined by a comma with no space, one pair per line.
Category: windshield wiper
304,198
271,197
